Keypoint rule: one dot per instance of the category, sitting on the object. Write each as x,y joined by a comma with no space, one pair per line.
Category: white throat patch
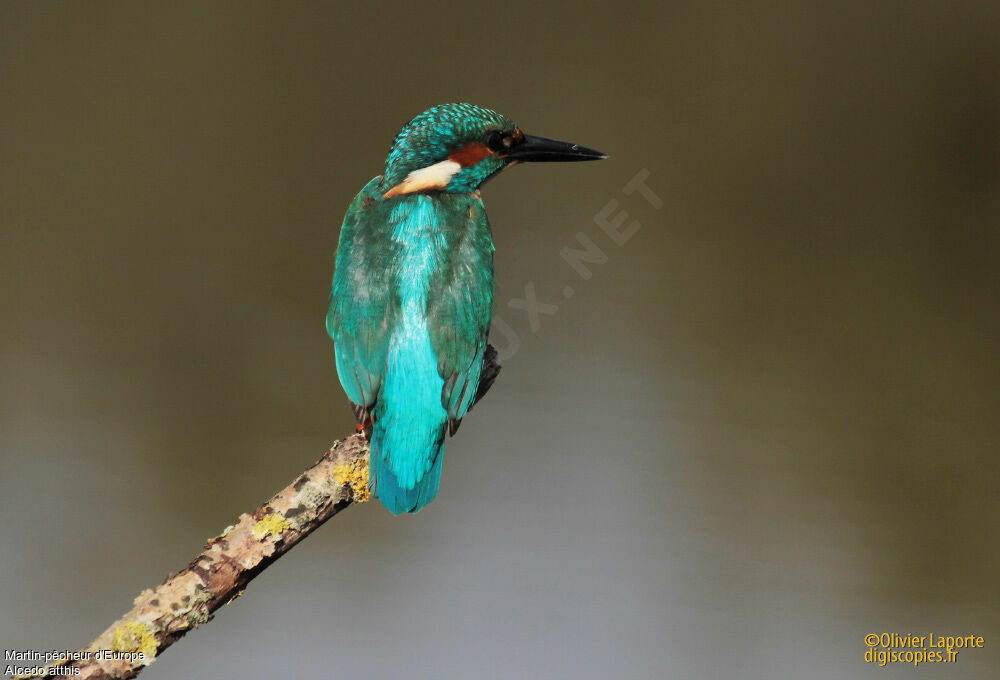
434,176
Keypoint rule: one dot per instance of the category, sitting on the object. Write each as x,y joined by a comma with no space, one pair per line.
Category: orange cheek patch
470,154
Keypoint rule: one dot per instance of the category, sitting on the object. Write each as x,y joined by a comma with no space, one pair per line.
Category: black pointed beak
542,150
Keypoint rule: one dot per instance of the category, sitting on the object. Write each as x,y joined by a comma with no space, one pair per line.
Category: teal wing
363,302
460,304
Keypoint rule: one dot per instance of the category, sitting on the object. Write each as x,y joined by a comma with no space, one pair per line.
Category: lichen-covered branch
185,600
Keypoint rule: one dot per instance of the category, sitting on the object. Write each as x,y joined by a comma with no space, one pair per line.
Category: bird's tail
407,442
405,474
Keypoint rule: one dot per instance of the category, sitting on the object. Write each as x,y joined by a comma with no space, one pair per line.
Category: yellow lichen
356,475
272,524
135,637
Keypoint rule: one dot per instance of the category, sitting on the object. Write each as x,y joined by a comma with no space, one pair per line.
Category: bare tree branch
185,600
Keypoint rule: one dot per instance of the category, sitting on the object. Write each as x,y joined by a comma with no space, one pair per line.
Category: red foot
367,425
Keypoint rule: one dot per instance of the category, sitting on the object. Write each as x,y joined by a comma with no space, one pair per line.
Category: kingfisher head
457,147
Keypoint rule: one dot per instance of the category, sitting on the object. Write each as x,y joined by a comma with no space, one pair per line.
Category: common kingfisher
413,290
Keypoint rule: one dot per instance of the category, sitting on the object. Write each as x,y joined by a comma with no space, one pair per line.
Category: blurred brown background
764,428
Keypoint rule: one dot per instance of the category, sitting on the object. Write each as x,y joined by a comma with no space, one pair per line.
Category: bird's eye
498,141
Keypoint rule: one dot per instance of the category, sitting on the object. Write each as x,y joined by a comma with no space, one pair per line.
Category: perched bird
413,290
